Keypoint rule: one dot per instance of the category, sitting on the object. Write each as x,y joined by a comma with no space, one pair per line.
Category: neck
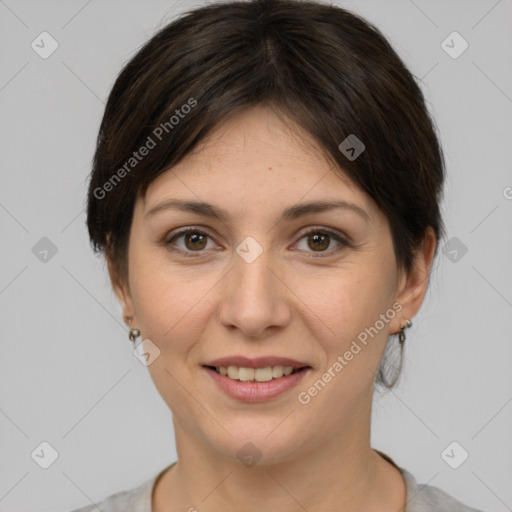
343,473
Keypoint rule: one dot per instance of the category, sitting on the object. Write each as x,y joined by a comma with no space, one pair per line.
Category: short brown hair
327,70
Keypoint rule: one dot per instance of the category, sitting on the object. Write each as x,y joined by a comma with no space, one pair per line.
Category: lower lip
256,391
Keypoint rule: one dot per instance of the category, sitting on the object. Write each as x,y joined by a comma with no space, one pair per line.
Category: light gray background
67,373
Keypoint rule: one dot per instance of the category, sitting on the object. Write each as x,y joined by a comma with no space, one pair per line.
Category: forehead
257,129
261,158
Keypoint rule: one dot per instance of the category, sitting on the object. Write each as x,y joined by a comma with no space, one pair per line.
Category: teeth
257,374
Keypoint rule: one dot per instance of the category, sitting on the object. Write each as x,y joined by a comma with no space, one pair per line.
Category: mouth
252,385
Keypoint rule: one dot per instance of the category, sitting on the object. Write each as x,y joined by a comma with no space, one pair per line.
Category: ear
413,284
120,287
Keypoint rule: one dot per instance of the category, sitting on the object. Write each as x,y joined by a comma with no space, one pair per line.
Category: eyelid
329,231
183,231
342,239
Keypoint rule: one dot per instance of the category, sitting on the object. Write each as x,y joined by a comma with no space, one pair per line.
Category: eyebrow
291,213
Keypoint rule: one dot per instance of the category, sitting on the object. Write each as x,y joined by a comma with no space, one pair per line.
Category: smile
256,384
255,374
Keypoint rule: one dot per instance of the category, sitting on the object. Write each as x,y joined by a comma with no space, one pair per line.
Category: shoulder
137,499
427,498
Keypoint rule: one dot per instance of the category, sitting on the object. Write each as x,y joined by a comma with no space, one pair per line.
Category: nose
255,297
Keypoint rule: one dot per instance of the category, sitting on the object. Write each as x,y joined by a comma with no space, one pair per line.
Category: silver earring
391,365
133,334
401,334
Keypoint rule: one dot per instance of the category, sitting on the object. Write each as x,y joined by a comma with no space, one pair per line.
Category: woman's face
255,284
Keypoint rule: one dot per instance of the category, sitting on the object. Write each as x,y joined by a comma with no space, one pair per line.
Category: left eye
320,240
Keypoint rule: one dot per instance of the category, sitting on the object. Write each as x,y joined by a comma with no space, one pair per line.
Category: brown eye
195,241
318,241
190,241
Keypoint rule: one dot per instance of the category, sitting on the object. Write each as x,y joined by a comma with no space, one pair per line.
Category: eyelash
190,254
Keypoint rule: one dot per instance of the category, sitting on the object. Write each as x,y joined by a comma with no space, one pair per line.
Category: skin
296,300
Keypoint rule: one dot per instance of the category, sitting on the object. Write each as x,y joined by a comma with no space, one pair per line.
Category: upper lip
257,362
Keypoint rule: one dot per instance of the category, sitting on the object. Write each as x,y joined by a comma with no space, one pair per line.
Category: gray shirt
420,498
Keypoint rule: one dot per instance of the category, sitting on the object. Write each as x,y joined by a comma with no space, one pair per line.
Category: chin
257,442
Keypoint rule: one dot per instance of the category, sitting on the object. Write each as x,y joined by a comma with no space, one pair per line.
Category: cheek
172,307
344,311
346,301
170,302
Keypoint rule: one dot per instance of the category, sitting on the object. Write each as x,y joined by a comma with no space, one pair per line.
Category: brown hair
327,70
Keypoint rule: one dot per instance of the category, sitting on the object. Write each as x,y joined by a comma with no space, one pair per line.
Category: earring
133,334
391,365
401,334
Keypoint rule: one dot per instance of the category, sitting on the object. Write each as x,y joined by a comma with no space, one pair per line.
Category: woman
266,191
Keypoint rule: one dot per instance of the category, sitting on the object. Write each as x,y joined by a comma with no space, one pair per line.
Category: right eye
194,241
